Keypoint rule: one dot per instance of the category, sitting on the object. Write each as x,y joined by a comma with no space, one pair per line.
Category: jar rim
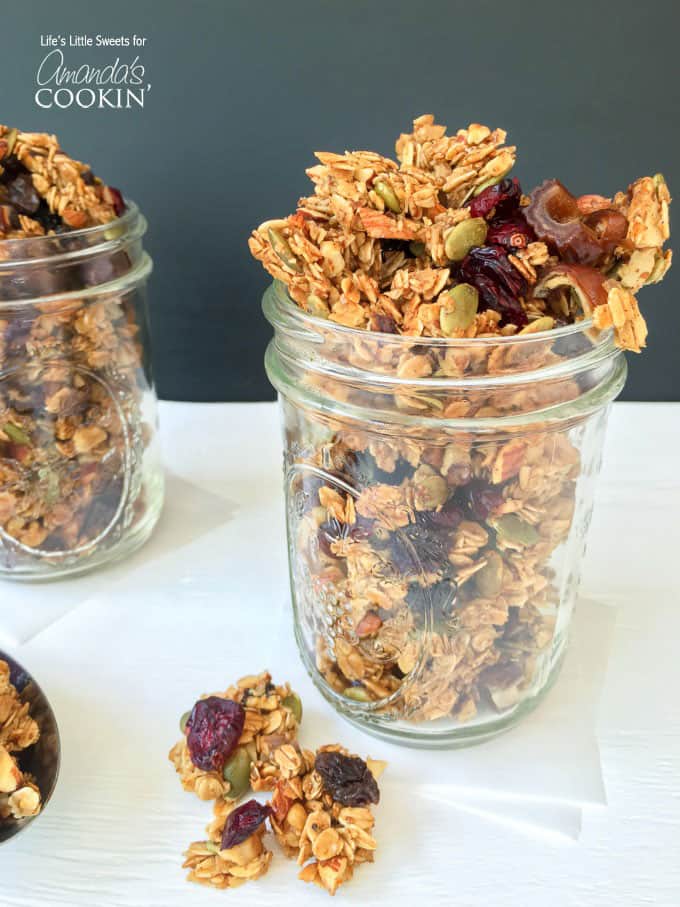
126,220
296,314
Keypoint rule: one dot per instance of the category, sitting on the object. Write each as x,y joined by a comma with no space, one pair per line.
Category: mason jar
81,481
438,496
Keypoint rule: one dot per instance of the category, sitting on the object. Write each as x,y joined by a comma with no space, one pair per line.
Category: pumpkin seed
183,722
490,578
465,236
294,704
388,195
459,310
237,772
283,250
9,140
659,180
492,181
16,434
417,248
516,531
359,694
212,847
317,307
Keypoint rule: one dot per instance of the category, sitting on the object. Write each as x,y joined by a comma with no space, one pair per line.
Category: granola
319,810
272,717
208,864
72,370
325,836
432,452
383,245
43,190
19,794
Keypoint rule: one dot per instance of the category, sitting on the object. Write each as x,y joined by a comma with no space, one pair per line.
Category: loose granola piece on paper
209,865
327,838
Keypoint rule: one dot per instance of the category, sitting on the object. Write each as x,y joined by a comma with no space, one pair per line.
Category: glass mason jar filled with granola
445,350
438,496
80,475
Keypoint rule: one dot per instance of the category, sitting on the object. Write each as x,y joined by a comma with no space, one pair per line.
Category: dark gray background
243,92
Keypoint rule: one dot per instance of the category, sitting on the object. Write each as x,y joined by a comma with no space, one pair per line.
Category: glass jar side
80,475
434,577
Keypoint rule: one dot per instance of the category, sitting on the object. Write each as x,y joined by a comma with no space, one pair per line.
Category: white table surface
123,653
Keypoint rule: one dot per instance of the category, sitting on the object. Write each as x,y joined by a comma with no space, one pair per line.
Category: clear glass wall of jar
438,497
81,481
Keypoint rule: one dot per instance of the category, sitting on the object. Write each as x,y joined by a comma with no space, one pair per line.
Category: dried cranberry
514,233
481,499
499,283
21,193
213,731
499,200
347,779
242,822
448,517
115,199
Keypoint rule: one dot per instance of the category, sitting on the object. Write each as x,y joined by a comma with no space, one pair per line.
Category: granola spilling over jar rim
445,351
79,475
445,244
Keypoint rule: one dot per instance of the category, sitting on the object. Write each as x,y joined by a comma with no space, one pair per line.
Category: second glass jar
81,481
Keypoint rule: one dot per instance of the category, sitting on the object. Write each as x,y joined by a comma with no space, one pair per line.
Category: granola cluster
314,824
19,794
72,370
443,244
319,810
272,716
43,190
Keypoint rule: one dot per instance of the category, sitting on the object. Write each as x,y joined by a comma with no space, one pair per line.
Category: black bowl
43,758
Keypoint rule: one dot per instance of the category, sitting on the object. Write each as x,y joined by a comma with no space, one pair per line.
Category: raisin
213,731
21,193
243,822
347,779
115,199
